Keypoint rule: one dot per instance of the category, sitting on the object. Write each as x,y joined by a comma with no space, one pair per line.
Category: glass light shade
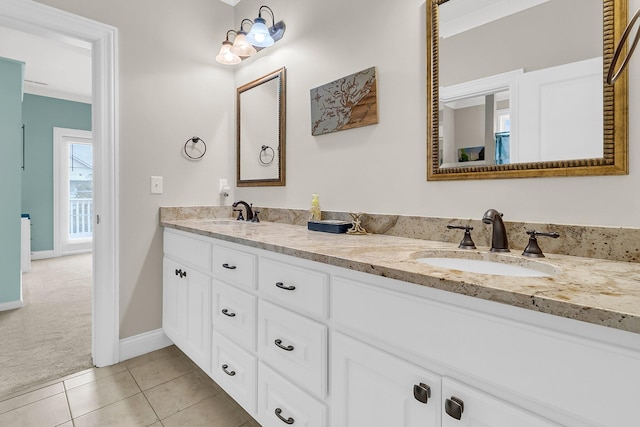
225,56
259,35
242,47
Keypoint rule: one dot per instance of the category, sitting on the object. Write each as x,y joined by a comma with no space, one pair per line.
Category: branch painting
345,103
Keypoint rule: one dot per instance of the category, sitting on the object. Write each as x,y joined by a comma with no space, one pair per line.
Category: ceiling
52,68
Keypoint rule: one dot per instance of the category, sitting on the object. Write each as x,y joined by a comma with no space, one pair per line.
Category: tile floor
163,388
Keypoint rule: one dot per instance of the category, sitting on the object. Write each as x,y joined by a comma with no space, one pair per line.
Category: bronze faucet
247,208
499,241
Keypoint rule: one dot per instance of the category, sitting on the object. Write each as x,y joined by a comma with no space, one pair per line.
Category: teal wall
40,115
10,164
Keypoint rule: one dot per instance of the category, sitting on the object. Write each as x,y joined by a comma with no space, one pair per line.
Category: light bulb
259,35
225,56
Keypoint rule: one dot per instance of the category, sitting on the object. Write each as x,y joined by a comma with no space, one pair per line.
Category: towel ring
613,75
195,140
264,157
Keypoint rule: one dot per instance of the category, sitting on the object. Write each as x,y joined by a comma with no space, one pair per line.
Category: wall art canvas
345,103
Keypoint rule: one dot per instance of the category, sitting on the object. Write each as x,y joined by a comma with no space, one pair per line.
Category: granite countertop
597,291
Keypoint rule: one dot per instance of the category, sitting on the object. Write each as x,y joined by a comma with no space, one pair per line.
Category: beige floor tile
98,394
131,412
171,351
160,371
252,423
158,424
70,424
93,374
30,397
175,395
211,412
48,412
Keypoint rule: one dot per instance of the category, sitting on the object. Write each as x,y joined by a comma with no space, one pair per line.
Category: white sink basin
223,221
487,263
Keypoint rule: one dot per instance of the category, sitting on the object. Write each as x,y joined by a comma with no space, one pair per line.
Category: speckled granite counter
592,290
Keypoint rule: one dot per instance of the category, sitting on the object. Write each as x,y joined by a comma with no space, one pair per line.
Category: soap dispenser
314,212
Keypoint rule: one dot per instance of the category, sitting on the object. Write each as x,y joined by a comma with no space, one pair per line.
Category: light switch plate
156,185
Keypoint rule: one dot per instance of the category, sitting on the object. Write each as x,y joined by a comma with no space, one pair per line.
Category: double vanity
317,329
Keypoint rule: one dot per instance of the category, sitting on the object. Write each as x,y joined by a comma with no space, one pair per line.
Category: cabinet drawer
281,403
234,370
296,288
234,267
234,314
294,345
194,252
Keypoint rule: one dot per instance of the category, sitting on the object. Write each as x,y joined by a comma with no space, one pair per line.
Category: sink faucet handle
240,217
255,216
533,249
534,233
467,241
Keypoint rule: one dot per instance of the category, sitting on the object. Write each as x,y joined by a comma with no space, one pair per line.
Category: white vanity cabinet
305,343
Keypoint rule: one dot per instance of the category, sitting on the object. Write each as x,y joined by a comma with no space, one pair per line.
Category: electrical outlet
156,185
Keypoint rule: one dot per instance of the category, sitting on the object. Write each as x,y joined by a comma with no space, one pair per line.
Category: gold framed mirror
261,131
551,114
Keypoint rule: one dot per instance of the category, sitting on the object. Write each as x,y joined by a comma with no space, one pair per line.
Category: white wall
171,89
382,168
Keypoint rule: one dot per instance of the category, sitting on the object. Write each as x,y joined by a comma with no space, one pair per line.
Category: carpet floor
50,336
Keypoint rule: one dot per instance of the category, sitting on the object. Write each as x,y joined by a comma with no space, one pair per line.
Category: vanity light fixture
259,37
226,56
241,46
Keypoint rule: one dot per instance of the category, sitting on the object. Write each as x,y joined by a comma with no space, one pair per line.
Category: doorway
42,20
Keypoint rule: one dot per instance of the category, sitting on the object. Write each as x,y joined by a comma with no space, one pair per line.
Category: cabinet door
478,409
375,389
174,297
198,318
186,313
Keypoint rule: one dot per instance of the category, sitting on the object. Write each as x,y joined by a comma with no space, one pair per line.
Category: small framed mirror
517,89
261,129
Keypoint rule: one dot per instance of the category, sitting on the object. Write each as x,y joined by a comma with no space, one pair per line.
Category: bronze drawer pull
286,288
230,373
283,419
278,342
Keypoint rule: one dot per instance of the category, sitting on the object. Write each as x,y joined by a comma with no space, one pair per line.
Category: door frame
61,137
36,18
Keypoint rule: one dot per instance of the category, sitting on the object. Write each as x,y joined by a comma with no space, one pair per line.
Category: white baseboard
11,305
42,255
144,343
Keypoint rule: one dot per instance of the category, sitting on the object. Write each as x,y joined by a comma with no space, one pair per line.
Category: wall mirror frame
615,114
261,131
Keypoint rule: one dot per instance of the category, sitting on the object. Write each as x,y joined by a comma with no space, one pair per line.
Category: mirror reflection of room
520,81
